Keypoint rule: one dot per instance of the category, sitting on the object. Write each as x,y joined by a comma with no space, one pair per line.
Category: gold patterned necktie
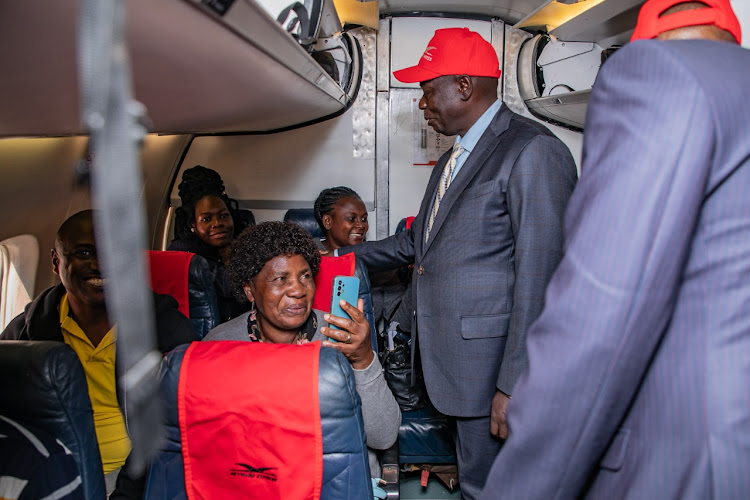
445,181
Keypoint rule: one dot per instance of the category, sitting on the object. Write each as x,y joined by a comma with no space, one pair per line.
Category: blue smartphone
346,288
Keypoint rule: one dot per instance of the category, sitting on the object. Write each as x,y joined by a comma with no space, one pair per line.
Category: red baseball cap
453,51
719,13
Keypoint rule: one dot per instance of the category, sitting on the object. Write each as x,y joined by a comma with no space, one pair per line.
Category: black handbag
397,371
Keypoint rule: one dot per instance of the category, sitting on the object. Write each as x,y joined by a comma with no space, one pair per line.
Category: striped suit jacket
479,281
637,383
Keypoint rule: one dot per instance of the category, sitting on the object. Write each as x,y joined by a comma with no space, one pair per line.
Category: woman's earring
192,229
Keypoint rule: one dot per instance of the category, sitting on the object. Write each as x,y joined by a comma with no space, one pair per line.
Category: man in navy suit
487,239
638,367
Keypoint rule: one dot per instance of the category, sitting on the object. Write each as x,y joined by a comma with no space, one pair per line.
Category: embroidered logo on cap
427,54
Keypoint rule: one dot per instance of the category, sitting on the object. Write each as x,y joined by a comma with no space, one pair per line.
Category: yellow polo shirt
99,364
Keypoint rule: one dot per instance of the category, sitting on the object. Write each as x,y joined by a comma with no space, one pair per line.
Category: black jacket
41,321
229,307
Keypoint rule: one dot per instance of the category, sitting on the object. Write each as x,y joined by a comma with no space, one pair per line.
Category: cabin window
19,257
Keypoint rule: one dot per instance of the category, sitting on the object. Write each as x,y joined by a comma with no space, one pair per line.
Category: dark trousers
476,450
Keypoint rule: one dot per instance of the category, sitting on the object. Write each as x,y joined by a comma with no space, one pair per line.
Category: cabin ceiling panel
194,71
510,11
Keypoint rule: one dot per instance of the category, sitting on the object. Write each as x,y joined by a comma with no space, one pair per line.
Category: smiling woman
205,224
342,216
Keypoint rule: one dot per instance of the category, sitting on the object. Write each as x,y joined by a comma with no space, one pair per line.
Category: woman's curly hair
256,245
198,182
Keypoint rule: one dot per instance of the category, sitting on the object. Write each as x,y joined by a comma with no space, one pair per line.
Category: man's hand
498,417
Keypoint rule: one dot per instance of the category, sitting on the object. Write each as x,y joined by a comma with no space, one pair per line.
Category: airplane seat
305,217
188,278
345,469
404,223
246,216
44,386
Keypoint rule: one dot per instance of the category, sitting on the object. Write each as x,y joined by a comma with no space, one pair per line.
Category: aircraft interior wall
39,187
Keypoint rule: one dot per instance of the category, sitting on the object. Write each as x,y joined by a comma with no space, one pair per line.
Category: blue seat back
246,216
346,471
44,385
305,217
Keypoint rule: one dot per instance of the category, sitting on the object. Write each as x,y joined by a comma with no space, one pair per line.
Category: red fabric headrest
330,267
169,275
250,420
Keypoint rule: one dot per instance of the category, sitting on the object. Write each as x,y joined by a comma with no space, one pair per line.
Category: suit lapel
484,148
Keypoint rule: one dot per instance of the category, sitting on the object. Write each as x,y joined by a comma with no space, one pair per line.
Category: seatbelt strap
115,124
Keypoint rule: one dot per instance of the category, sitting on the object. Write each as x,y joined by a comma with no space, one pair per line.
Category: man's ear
248,287
55,261
465,87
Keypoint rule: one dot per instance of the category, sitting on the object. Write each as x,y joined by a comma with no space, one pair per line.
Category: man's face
442,104
74,260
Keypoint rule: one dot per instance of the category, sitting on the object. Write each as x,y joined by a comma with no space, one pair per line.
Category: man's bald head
74,224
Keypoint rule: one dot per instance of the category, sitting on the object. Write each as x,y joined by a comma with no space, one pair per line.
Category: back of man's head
688,20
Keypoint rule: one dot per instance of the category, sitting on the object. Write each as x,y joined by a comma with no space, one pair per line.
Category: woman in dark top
205,224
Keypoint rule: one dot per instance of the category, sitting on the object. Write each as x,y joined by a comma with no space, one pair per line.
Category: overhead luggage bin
195,69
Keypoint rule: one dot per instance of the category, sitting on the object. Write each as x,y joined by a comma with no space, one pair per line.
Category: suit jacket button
420,270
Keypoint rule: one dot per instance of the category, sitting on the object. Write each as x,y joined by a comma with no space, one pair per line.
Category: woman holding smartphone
272,266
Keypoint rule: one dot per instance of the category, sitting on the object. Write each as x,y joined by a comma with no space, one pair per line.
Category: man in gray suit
484,244
637,382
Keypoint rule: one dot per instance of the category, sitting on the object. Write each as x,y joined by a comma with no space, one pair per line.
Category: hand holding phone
346,288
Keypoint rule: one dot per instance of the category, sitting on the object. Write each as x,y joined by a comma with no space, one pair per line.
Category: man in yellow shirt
75,312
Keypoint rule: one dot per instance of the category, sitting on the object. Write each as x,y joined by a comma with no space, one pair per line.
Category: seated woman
273,266
205,224
342,216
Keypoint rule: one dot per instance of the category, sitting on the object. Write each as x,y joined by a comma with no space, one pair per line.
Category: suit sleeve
539,187
382,255
648,143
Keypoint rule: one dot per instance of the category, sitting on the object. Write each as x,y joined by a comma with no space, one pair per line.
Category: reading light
556,12
361,12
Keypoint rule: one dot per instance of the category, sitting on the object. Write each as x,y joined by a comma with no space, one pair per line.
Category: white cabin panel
272,173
